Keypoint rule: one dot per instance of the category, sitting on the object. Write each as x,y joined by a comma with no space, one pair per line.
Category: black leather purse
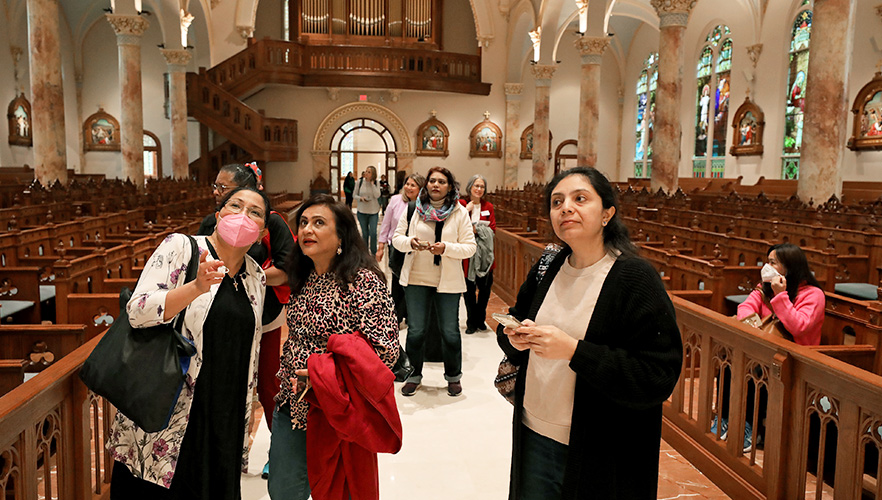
141,371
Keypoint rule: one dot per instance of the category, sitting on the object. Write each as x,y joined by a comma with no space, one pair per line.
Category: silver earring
339,250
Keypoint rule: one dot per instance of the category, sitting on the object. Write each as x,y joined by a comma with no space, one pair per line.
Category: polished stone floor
459,448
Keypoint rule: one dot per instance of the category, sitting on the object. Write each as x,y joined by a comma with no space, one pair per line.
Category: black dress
209,466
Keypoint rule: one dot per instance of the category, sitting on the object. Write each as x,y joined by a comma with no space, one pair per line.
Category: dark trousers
267,368
398,299
543,462
419,298
349,200
476,308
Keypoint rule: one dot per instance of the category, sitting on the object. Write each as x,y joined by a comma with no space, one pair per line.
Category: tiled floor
460,447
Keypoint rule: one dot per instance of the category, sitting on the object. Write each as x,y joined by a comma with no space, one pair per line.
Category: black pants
476,308
398,299
348,200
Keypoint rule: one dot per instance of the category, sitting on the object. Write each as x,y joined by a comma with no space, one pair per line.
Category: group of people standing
597,350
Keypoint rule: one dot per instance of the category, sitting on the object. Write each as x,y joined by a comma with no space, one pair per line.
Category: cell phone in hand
423,245
302,388
506,320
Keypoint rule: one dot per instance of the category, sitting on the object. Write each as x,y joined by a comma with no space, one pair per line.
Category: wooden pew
12,374
21,341
20,294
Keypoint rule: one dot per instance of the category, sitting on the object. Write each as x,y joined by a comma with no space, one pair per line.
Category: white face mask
769,273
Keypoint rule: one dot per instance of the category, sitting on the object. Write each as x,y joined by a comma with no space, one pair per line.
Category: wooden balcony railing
52,441
822,417
273,61
267,139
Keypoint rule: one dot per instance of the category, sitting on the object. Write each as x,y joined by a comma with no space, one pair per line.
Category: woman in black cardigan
590,386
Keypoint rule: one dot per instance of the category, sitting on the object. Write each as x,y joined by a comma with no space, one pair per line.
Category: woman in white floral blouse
336,288
201,453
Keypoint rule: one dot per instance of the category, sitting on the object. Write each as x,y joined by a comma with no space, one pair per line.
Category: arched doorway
565,160
360,143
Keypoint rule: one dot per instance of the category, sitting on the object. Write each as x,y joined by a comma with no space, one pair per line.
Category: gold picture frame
748,123
866,132
101,132
485,140
20,122
432,138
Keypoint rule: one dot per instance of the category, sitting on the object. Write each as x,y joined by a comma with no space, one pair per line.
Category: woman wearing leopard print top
336,288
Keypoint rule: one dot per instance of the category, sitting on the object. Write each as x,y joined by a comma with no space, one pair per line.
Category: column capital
673,12
128,28
543,74
484,40
245,32
514,88
591,48
753,52
177,59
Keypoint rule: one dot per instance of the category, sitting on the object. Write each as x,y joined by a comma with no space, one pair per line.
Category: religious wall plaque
101,132
19,116
432,138
485,141
867,109
527,143
747,130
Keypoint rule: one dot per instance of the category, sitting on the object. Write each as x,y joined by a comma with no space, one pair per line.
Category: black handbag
141,371
396,257
403,368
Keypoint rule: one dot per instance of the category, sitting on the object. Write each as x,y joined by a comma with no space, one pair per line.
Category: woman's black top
210,463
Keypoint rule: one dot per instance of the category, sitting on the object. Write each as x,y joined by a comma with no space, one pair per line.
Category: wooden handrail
55,415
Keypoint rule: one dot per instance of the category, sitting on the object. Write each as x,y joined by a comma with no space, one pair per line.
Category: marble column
177,94
405,163
512,134
827,105
543,74
47,93
81,139
673,16
128,38
591,48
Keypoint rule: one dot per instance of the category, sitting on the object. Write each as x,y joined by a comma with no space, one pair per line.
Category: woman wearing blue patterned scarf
435,240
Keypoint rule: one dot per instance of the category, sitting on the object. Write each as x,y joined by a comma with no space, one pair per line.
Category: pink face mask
238,230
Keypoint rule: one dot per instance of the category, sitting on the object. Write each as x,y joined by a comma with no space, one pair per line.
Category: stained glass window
712,80
647,85
796,86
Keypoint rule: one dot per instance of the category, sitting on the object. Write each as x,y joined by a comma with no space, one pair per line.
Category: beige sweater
551,384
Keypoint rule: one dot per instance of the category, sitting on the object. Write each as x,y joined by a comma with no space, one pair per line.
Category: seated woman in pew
801,308
200,454
590,386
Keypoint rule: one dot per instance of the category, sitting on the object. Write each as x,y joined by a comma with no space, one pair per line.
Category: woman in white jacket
435,240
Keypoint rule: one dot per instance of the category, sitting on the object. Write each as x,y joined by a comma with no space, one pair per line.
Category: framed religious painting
867,109
485,141
527,143
432,137
747,130
19,115
101,132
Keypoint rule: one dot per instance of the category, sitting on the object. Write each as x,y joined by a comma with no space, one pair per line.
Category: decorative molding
179,57
677,19
215,3
514,88
333,93
394,95
245,32
484,40
543,72
591,45
369,110
879,11
673,6
132,26
753,52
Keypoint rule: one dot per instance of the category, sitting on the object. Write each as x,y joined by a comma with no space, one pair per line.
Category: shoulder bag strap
411,208
192,267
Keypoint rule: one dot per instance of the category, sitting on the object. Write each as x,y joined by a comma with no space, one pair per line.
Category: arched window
357,144
712,78
647,84
152,156
800,35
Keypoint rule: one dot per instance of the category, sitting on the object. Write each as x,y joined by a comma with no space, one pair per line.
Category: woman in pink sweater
801,308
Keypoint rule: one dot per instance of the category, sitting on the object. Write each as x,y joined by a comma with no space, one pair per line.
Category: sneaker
724,428
409,388
454,389
748,437
265,473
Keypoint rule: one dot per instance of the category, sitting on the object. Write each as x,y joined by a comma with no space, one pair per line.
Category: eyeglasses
237,207
220,188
